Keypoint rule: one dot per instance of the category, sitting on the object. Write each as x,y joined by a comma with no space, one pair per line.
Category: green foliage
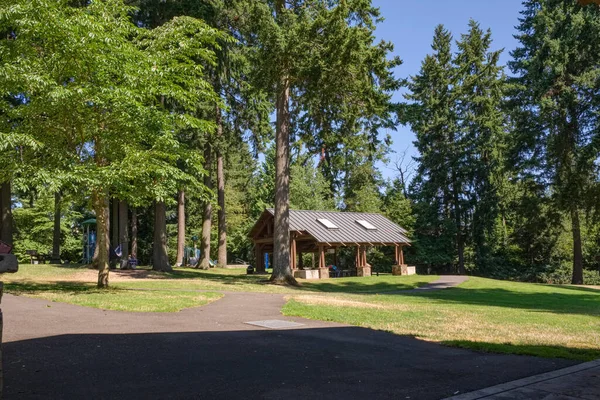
96,86
35,226
308,188
555,103
433,117
398,208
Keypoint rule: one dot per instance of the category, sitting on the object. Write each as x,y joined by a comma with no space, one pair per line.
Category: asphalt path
63,351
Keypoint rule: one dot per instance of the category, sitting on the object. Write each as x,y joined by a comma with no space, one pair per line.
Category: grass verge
145,290
88,295
481,314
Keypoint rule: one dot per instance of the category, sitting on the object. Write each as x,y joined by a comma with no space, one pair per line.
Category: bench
35,257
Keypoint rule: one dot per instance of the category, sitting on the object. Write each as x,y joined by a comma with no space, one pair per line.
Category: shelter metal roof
348,230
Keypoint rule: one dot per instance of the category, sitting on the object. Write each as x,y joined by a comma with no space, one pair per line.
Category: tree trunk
460,245
96,252
222,219
115,233
159,253
577,251
282,272
134,233
207,216
101,207
55,259
124,233
180,227
6,228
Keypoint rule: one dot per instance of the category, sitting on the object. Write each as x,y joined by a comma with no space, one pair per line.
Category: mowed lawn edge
114,299
144,290
480,314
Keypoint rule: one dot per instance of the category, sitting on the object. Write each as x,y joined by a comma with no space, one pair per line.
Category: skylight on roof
327,223
366,225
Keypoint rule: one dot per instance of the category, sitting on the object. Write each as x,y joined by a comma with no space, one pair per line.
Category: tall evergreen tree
437,187
319,62
558,96
479,89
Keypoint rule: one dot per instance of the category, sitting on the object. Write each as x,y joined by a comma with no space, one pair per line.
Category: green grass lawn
85,294
481,314
237,280
150,291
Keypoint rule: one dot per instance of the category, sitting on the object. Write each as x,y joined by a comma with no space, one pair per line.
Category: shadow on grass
65,266
25,287
580,302
577,288
209,275
356,287
570,353
351,285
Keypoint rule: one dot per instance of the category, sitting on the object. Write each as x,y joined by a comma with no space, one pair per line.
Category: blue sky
409,24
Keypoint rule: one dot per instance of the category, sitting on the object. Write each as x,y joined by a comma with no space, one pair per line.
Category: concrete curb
505,387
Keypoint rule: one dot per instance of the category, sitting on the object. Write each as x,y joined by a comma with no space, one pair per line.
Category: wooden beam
401,255
264,240
269,230
364,256
335,261
321,257
258,254
293,252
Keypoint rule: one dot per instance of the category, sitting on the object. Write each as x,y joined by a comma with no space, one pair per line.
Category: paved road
62,351
578,382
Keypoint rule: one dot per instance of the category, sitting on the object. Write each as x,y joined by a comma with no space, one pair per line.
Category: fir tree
559,81
437,187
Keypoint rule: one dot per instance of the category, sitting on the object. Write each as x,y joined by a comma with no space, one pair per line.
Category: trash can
250,270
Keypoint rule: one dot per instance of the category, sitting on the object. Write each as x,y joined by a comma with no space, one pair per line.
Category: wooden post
323,271
300,261
293,252
335,260
321,257
402,255
258,254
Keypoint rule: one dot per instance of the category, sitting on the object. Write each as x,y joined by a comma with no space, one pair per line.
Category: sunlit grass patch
88,295
481,314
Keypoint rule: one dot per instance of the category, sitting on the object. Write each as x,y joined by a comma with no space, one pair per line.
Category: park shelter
318,232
